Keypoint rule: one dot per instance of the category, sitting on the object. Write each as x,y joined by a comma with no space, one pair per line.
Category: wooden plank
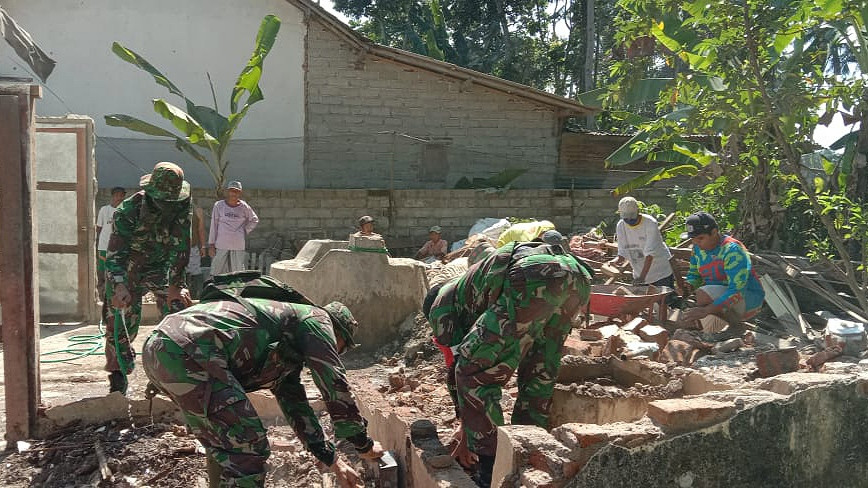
18,261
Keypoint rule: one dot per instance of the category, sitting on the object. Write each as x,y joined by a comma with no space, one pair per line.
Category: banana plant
202,131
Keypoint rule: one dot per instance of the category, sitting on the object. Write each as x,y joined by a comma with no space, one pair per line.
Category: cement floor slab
77,377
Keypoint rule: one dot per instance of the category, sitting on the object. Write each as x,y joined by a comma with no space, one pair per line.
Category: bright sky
329,5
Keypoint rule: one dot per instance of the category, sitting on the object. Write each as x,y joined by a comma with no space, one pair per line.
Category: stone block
687,414
773,363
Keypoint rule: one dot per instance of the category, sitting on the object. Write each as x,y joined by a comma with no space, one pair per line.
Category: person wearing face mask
640,243
148,250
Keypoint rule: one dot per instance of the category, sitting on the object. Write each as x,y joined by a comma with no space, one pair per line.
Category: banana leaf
653,175
248,80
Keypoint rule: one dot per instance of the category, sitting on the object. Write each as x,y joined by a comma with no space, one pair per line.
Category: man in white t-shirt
104,228
640,243
231,220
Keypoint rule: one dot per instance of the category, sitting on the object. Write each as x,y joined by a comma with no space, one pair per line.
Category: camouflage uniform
148,251
208,356
511,311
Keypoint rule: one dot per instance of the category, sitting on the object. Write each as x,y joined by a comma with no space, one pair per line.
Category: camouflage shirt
151,239
268,350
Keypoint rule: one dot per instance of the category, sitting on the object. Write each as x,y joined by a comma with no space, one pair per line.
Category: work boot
484,470
117,382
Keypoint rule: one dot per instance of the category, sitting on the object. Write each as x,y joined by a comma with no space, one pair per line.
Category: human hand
376,452
462,453
180,294
121,297
346,475
212,251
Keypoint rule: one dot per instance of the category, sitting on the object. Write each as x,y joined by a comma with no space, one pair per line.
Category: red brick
687,414
575,347
590,334
773,363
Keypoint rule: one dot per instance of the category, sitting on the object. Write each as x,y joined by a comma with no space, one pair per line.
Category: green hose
82,345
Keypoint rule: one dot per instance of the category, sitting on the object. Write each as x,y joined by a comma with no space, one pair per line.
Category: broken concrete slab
787,384
101,410
520,447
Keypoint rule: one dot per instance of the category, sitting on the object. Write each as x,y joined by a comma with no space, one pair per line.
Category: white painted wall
183,39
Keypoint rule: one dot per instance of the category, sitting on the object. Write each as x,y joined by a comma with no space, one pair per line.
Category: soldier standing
512,310
208,356
148,251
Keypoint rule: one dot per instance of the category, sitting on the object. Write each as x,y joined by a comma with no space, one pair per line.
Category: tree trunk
588,72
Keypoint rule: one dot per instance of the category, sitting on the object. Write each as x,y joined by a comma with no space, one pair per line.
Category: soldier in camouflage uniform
148,251
512,310
208,356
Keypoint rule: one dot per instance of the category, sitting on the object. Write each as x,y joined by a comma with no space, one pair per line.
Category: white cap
628,207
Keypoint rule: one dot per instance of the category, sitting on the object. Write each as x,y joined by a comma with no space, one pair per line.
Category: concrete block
773,363
687,414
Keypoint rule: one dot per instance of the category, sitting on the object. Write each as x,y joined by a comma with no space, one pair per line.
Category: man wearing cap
231,220
511,311
434,248
640,243
207,357
104,231
148,251
721,272
366,227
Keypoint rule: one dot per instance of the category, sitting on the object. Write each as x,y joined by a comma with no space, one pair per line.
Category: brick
773,363
688,414
575,347
654,333
590,334
635,324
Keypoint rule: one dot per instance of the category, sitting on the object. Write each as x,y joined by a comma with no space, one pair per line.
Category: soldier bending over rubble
208,356
511,310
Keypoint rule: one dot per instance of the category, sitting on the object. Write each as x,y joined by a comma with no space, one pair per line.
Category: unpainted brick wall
404,219
356,102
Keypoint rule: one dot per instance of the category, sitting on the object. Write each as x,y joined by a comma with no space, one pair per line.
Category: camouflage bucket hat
166,183
344,322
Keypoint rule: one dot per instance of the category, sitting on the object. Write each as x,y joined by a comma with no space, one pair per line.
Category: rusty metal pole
18,259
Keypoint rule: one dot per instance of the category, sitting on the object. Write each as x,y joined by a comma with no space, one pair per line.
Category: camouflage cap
344,322
166,183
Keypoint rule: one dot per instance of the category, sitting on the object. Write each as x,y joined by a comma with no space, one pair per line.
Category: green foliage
534,42
753,78
199,126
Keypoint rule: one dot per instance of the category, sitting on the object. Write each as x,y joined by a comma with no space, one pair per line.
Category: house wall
404,219
476,132
184,40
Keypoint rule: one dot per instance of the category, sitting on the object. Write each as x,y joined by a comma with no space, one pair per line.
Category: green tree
202,127
752,77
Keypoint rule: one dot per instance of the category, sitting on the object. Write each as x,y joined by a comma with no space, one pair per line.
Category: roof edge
358,41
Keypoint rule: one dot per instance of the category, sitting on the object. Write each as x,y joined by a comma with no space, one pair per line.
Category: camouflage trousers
117,337
214,405
524,329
